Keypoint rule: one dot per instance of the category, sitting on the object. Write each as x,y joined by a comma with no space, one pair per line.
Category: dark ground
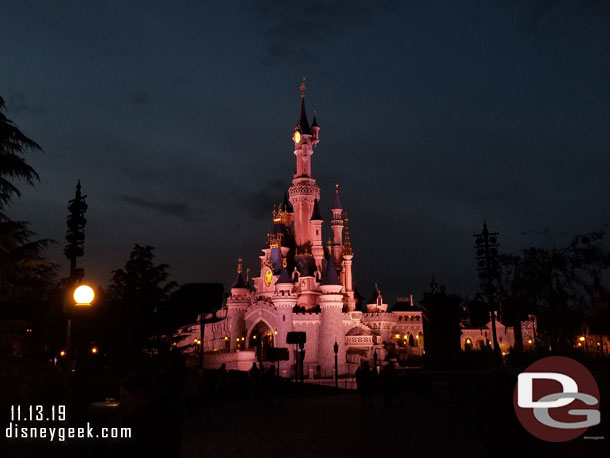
451,414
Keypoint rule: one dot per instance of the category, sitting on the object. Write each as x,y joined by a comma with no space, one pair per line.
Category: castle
303,286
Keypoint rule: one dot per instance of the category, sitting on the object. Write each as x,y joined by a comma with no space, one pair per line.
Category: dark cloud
259,204
18,103
541,10
177,209
292,27
139,97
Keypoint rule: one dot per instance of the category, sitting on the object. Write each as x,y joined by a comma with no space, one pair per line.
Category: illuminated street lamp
83,296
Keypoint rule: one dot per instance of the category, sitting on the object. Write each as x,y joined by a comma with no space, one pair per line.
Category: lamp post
336,349
83,296
487,265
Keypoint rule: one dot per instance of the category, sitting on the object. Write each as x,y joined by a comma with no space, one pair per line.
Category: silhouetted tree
25,273
13,143
135,297
554,285
478,312
441,313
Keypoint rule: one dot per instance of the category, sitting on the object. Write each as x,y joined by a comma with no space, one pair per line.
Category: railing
360,340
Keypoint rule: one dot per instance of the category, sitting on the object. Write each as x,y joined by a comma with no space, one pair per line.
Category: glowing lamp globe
83,295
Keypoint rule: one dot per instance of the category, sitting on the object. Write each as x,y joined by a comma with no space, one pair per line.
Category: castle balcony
362,340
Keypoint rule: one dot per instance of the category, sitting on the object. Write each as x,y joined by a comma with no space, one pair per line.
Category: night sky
177,117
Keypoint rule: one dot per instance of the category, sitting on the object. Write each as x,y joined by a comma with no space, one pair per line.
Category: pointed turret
284,277
316,215
337,202
330,273
337,226
303,125
315,130
239,281
346,274
287,206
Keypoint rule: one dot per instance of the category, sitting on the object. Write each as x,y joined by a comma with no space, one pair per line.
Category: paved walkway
329,426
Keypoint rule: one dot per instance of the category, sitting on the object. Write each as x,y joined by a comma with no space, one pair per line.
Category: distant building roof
404,304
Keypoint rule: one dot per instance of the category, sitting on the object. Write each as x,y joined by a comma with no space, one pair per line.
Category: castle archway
260,336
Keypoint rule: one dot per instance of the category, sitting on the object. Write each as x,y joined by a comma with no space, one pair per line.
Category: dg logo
557,399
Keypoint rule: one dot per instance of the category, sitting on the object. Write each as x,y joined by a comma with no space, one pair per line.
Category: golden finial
302,87
329,244
337,187
284,262
239,265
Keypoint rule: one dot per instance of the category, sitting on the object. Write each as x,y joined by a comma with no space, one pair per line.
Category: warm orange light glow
254,337
397,336
94,350
275,333
226,338
581,338
529,341
297,136
83,295
468,341
62,353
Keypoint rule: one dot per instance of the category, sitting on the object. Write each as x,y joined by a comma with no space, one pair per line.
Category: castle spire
303,125
337,202
239,282
316,215
330,274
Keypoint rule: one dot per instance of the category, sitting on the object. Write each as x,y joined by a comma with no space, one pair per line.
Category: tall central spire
303,124
304,191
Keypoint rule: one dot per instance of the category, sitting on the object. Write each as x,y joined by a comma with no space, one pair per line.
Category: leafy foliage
441,312
13,165
136,297
25,273
554,284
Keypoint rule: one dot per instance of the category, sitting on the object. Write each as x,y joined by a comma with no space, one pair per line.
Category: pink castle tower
304,191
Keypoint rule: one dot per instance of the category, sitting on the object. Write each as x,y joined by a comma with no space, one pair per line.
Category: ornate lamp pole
487,265
75,235
336,350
